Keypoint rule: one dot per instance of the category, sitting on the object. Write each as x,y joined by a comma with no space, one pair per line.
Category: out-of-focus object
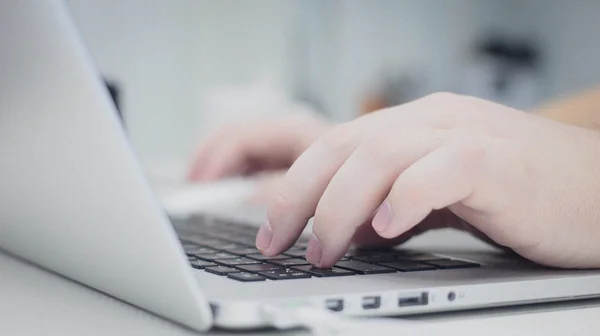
580,109
114,89
183,200
504,70
224,105
390,88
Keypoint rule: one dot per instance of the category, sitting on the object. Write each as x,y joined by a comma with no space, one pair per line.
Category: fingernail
264,237
314,251
383,217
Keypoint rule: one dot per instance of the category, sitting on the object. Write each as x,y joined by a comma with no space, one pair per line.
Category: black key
323,272
265,258
369,252
296,253
236,262
448,264
363,267
259,268
246,277
358,253
230,246
191,236
224,223
289,262
408,266
219,232
192,258
197,220
188,245
405,252
200,264
218,255
248,241
208,242
221,270
200,250
376,258
244,251
285,274
217,244
420,257
247,233
237,238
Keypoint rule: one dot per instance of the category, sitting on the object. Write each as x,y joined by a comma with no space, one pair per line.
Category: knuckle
379,148
443,96
471,155
280,206
338,138
450,109
404,193
324,214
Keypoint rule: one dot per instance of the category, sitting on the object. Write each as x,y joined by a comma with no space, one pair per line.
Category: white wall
370,36
569,32
168,53
144,45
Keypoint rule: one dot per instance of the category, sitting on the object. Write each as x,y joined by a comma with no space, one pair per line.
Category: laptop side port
413,300
336,305
371,302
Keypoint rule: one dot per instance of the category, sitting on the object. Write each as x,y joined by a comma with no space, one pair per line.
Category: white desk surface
36,302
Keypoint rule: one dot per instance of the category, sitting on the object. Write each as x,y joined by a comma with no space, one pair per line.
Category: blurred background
180,68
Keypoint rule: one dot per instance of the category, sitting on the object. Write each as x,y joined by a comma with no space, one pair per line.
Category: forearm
580,110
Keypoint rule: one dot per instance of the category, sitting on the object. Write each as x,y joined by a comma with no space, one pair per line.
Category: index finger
297,198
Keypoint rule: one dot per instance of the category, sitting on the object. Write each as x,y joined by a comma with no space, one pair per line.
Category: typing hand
526,183
245,149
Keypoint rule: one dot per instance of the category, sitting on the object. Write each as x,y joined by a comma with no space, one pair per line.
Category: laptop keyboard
226,248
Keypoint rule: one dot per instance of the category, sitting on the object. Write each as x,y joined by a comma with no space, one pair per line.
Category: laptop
75,201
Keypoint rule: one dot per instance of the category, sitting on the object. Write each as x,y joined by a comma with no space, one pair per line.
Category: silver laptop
74,200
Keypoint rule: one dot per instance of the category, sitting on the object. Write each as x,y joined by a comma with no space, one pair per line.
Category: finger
367,237
438,219
362,183
297,196
307,179
266,187
444,177
235,150
202,156
230,160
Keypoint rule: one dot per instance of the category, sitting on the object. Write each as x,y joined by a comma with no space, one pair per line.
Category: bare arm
582,109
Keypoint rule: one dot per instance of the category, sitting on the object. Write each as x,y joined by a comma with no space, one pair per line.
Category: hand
266,186
528,183
246,149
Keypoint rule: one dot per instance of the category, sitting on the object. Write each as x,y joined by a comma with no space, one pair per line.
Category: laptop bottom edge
251,314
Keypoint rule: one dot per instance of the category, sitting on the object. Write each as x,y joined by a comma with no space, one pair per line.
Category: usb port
413,300
371,302
335,305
